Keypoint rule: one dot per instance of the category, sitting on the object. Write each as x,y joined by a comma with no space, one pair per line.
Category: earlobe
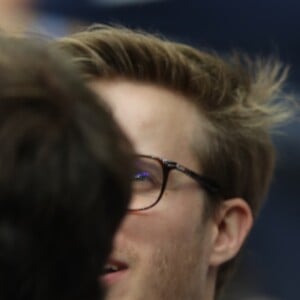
232,223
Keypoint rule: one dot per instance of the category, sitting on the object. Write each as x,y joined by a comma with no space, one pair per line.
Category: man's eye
142,176
146,178
144,181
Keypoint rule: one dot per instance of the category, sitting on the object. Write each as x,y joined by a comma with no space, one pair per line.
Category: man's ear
232,222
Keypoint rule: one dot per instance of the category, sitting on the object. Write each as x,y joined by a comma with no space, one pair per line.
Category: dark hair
65,173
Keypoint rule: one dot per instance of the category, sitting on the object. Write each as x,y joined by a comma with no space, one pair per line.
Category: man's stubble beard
175,272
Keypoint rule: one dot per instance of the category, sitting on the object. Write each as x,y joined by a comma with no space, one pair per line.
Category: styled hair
237,96
65,174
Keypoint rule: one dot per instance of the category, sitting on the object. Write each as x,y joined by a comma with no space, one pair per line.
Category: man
65,176
200,126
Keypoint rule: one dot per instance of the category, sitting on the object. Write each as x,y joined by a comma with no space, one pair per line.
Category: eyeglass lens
147,183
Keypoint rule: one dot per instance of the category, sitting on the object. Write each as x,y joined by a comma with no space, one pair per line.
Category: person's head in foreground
201,127
65,176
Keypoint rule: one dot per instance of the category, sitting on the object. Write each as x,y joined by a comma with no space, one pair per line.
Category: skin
170,251
15,15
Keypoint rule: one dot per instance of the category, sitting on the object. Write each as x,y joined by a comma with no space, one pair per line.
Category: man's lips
113,271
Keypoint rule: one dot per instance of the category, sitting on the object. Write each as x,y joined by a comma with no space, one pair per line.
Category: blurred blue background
271,263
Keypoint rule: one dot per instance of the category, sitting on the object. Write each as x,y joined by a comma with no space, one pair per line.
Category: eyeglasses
150,180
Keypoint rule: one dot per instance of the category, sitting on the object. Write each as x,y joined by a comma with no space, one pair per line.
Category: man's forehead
158,121
148,101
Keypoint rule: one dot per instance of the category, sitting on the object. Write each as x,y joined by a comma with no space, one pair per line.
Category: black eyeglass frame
208,184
